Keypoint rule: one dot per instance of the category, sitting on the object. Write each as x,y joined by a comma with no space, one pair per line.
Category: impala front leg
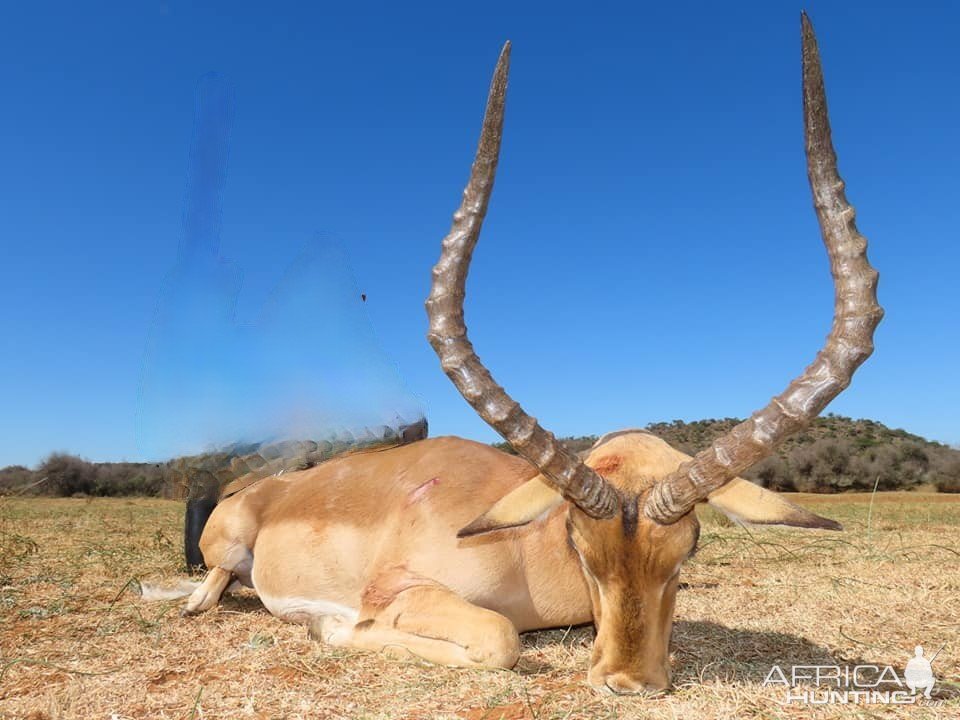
428,621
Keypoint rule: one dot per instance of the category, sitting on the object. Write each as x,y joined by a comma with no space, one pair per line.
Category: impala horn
850,342
448,332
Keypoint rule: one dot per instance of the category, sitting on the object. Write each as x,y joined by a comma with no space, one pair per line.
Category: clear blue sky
650,253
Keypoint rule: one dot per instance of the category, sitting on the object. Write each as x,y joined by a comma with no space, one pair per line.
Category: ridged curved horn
850,342
448,332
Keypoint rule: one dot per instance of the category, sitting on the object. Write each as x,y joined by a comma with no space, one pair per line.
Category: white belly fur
303,610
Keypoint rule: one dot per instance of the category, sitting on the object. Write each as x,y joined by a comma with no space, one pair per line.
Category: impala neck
555,581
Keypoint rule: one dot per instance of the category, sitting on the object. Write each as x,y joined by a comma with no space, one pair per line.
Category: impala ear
520,506
744,502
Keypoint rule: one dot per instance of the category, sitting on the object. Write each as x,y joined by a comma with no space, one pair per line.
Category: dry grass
77,642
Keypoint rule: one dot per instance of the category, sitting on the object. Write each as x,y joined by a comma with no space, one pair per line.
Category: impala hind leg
208,594
429,622
226,545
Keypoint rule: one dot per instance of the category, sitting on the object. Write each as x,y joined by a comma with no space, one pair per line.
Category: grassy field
76,641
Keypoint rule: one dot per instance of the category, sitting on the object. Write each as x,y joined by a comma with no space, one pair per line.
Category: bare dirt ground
76,641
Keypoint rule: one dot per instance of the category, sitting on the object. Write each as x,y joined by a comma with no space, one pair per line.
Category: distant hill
835,454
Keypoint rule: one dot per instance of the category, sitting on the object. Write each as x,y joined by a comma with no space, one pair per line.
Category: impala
446,549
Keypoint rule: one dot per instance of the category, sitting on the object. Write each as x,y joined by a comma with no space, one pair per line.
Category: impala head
632,566
630,505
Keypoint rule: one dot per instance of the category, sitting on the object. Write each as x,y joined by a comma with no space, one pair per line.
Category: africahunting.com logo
857,684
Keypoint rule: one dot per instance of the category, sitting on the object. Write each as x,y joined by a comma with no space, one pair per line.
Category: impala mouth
618,683
644,690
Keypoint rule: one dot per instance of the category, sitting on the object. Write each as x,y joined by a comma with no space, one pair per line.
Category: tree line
63,475
835,454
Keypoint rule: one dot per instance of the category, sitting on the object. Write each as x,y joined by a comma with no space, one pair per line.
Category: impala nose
623,684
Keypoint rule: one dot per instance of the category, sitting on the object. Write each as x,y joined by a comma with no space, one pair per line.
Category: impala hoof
330,629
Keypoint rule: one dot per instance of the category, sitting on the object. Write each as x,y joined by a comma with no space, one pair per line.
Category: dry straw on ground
77,642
